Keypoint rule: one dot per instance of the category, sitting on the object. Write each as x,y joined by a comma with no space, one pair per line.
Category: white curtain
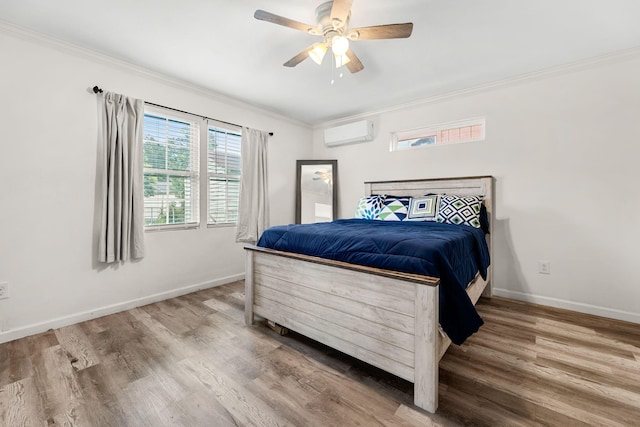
253,209
121,178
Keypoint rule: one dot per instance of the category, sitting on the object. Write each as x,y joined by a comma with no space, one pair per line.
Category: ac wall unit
349,134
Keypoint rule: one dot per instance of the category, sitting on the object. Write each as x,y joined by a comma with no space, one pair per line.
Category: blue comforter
453,253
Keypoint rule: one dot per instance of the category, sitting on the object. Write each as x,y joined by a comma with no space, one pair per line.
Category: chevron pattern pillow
394,209
460,210
370,207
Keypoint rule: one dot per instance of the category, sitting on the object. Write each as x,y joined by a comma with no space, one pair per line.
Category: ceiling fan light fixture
341,60
332,24
339,45
317,52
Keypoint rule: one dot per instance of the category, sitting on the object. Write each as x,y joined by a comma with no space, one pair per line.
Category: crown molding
615,57
69,48
85,53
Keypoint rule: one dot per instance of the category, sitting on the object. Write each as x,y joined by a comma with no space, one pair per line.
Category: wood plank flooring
190,361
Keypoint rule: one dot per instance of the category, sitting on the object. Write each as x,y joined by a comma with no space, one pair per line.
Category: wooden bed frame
385,318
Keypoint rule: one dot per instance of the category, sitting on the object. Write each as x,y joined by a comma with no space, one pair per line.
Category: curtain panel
121,178
253,208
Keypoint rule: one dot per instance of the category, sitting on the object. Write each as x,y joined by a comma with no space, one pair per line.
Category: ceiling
218,45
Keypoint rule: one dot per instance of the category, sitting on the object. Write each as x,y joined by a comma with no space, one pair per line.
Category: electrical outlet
4,290
544,267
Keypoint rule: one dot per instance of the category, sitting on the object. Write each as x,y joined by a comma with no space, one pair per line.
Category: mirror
316,191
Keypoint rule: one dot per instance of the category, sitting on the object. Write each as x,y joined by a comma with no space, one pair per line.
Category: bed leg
248,288
426,348
488,291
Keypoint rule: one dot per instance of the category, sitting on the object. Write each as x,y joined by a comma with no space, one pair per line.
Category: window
224,167
446,133
171,171
172,184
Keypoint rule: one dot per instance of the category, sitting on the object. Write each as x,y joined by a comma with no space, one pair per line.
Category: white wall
564,148
47,188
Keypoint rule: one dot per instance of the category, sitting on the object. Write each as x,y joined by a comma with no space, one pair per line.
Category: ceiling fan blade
354,65
390,31
300,57
340,12
285,22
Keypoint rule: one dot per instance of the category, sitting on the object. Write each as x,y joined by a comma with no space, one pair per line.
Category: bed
384,317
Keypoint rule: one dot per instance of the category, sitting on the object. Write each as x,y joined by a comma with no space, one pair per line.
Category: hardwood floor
190,361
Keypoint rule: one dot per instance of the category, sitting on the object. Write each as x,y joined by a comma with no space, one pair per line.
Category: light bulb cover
339,45
341,60
317,52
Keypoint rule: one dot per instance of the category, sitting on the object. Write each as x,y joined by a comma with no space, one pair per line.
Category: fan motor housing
323,18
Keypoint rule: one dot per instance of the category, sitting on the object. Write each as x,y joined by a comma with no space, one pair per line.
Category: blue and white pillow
394,209
370,207
424,208
460,210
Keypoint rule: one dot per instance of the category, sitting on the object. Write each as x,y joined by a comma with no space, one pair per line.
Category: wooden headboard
461,186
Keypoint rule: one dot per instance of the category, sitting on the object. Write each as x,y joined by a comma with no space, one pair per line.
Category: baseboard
569,305
36,328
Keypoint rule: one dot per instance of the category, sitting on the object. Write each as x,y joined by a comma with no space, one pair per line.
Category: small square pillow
394,209
424,208
460,210
369,207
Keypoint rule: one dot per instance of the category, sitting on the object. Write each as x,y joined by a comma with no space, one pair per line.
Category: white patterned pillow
394,209
424,208
460,210
369,207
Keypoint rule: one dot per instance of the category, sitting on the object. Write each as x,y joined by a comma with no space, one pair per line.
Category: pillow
460,210
424,208
369,207
394,208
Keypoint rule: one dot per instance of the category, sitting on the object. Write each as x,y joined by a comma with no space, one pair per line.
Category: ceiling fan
333,25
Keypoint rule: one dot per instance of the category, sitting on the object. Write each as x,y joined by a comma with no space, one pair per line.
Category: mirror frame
334,177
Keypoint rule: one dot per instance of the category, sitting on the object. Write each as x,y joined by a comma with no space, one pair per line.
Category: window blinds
171,170
224,170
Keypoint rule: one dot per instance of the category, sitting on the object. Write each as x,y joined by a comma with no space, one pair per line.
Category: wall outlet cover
544,267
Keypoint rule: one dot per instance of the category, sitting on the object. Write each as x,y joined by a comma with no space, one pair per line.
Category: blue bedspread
453,253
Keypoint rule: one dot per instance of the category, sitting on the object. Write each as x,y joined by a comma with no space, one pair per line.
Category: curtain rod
97,90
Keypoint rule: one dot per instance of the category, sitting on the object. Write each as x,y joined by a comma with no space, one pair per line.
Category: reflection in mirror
316,195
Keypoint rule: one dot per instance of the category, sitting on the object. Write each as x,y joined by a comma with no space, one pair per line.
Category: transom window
445,133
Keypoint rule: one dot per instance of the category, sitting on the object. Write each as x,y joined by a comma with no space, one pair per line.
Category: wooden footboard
387,319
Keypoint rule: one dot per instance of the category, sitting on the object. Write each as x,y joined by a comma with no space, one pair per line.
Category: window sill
176,227
229,224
